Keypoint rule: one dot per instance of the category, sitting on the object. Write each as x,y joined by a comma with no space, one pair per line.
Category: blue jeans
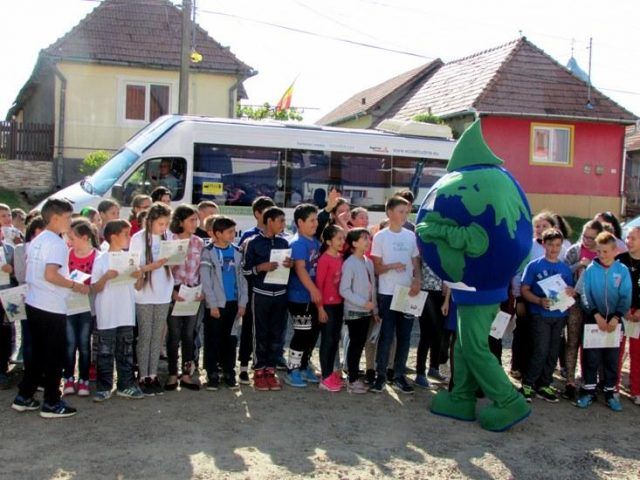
78,339
393,323
118,343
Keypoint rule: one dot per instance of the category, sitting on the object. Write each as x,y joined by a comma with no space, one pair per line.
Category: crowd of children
333,280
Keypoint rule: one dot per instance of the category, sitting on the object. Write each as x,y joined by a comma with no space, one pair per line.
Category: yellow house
118,70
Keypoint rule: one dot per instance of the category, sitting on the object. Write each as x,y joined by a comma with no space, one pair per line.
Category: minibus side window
167,172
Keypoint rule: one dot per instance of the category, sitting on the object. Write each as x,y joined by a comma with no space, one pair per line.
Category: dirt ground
312,434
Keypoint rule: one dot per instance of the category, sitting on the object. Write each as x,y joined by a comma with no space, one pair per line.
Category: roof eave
622,121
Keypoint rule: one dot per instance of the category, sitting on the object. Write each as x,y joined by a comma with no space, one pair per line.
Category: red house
563,140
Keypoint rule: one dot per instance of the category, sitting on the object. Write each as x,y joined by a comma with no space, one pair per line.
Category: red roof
141,32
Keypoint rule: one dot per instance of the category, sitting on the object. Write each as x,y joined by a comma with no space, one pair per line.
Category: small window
552,144
146,102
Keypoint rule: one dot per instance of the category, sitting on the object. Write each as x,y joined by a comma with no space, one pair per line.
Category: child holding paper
181,329
631,258
547,322
5,326
154,299
397,262
115,318
269,301
82,239
226,295
606,298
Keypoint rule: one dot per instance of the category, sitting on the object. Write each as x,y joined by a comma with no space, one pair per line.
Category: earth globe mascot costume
474,231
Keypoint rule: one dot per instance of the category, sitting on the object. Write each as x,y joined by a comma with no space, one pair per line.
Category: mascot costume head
474,231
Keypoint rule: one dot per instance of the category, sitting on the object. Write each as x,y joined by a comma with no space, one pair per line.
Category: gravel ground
312,434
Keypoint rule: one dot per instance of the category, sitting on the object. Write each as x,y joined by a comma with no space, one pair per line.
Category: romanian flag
285,102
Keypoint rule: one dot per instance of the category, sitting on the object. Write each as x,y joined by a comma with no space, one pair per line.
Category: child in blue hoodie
607,298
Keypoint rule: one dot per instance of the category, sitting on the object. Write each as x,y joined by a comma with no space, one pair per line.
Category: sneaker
402,385
93,372
69,387
378,385
328,384
213,384
272,381
281,364
260,381
145,387
58,410
133,392
528,393
547,394
243,378
569,393
21,404
422,381
83,388
295,379
636,400
390,376
157,387
102,396
436,375
230,382
370,376
585,400
357,387
309,375
614,403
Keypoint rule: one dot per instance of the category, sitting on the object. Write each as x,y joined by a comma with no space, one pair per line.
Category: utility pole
183,100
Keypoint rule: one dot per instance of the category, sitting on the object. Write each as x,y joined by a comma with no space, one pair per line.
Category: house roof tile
365,101
632,139
145,32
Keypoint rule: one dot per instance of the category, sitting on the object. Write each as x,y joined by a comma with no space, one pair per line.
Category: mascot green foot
500,418
447,405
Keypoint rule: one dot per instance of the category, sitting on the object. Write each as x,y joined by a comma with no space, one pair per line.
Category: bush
93,161
427,118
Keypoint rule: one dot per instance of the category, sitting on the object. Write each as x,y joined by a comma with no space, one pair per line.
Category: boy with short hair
546,324
304,296
225,292
206,208
10,234
397,262
115,318
48,285
631,258
108,210
258,206
269,301
606,298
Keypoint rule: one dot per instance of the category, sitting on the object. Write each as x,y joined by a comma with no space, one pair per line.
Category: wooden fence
26,141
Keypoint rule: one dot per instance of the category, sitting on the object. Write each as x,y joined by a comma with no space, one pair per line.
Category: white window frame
123,82
551,128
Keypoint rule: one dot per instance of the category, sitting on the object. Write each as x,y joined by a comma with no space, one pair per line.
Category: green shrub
427,118
93,161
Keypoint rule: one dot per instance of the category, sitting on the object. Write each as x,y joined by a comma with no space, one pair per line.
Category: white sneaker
636,400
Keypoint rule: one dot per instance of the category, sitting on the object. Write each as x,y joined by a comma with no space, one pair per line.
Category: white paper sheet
631,329
402,302
125,263
190,306
500,324
13,302
174,250
596,338
279,276
554,288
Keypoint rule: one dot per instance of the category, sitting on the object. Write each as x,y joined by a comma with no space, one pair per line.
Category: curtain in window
135,102
159,104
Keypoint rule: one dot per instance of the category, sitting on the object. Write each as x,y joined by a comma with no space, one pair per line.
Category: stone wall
26,175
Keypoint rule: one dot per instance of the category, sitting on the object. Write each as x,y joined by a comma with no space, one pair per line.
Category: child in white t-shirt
154,298
115,318
397,262
47,287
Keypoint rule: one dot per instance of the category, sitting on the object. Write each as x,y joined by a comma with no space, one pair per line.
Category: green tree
266,111
427,118
93,161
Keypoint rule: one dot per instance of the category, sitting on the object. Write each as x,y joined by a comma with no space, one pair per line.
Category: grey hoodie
358,284
211,278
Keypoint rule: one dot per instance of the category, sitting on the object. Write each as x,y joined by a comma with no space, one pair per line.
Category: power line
316,34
